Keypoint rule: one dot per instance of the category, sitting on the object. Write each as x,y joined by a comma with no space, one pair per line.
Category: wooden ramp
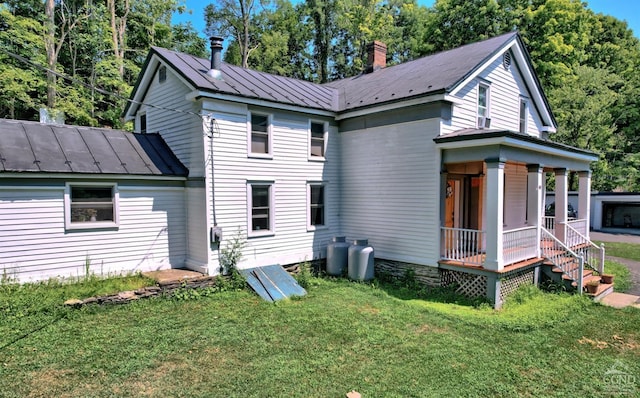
272,282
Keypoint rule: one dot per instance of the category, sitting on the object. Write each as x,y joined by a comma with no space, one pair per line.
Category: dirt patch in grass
615,342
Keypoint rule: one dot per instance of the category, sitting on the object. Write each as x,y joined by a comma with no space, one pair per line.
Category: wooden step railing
593,254
562,257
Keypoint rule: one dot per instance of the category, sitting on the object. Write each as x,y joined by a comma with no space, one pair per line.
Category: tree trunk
49,42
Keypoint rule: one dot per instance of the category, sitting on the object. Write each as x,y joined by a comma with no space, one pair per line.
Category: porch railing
520,244
463,245
549,223
579,226
579,243
562,257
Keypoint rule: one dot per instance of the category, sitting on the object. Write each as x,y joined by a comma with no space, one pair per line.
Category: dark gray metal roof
435,73
439,72
46,148
248,83
483,134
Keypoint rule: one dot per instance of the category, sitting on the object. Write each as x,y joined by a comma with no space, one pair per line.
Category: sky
626,10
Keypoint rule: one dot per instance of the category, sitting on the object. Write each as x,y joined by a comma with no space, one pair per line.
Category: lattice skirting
511,281
470,285
424,274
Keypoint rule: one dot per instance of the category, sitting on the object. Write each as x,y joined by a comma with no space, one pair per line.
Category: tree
59,22
22,86
583,111
233,18
322,19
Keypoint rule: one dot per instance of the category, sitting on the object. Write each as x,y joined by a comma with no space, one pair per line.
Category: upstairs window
523,116
260,199
260,135
143,123
91,206
316,194
484,120
317,140
162,74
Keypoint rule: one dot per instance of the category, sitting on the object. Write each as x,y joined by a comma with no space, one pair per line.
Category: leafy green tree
583,111
234,18
22,85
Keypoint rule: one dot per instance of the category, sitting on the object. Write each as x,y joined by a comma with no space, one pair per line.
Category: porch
493,224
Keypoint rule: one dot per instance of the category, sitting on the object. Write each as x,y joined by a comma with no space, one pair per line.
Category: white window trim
526,114
316,227
487,86
93,225
325,127
269,134
267,232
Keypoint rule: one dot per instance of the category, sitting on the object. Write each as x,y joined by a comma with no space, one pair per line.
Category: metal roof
248,83
435,73
47,148
482,134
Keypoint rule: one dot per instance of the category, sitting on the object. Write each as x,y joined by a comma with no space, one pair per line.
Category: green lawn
380,340
622,249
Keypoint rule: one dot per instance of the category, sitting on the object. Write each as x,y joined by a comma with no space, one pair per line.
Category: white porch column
584,198
535,183
495,217
561,201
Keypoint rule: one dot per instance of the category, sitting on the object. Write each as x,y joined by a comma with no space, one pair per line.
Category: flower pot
606,278
592,288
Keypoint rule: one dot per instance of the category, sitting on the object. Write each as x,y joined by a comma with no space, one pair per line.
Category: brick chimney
377,56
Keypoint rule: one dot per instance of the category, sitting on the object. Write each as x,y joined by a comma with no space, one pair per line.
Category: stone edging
161,289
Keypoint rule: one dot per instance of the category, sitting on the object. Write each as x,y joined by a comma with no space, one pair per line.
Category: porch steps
604,289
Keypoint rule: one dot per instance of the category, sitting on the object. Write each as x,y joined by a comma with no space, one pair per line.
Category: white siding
515,202
289,170
182,129
507,87
34,244
390,190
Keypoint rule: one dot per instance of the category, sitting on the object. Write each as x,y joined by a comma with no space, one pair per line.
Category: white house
440,162
78,200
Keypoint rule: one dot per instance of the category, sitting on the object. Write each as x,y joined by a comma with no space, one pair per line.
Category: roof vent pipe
216,57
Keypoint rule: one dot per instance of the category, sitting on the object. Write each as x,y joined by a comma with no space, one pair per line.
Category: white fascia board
484,66
146,80
398,105
90,176
192,96
515,143
527,74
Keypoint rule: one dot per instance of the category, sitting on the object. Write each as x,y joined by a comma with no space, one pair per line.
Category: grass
379,339
629,251
622,282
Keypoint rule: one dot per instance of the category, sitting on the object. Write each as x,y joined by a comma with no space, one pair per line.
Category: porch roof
509,145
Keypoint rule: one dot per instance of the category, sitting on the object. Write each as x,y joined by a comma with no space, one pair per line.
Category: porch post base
494,284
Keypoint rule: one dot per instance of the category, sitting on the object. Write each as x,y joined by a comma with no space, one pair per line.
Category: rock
90,300
126,295
73,303
353,394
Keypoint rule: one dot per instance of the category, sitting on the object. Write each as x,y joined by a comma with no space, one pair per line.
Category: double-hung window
523,116
259,135
483,106
316,192
89,206
260,200
317,140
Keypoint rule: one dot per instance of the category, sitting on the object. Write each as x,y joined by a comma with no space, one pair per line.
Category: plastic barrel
337,256
360,262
